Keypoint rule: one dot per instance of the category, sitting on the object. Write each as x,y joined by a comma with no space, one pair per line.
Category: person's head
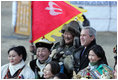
97,54
88,34
51,69
43,49
17,54
69,31
68,37
60,76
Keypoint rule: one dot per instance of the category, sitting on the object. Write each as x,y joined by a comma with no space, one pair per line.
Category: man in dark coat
87,39
42,52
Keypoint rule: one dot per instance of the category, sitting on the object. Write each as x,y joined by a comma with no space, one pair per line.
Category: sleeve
55,46
32,64
104,72
107,72
4,70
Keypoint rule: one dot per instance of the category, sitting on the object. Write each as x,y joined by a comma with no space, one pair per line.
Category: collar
69,45
42,65
92,67
47,61
14,68
90,45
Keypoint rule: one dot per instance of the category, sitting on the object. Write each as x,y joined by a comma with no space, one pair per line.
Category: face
47,72
14,58
68,37
115,72
42,54
85,39
93,57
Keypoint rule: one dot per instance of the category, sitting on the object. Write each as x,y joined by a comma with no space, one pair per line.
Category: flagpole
33,52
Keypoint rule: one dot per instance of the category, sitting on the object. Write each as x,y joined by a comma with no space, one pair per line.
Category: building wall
101,14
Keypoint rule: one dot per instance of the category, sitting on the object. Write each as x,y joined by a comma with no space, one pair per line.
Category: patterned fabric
17,71
15,76
103,71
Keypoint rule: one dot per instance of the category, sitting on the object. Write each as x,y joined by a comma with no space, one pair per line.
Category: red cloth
43,22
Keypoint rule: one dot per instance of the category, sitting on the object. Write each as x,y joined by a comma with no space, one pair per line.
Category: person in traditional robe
98,67
43,51
63,50
16,68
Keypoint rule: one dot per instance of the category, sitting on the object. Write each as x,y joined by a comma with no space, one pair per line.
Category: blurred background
101,14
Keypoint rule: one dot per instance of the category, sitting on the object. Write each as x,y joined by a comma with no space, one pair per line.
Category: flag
48,18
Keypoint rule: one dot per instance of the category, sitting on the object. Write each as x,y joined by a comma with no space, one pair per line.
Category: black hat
44,43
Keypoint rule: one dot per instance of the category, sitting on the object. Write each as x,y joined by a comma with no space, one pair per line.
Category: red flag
49,15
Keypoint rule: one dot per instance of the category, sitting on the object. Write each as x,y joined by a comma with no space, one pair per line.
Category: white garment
26,72
42,66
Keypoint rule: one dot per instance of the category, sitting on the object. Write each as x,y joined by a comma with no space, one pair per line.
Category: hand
32,49
53,53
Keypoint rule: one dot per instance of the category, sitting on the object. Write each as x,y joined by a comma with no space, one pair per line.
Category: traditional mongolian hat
74,28
44,43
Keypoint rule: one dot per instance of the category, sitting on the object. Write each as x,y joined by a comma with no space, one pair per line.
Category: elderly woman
51,69
16,68
98,67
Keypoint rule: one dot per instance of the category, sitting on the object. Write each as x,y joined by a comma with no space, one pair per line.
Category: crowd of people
75,56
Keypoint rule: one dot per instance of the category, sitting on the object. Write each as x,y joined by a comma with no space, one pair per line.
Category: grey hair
92,31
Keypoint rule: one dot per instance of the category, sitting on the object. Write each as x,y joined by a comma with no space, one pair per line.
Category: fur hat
72,27
44,43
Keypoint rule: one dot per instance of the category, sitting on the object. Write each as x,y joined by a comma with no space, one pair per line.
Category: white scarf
41,66
14,68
